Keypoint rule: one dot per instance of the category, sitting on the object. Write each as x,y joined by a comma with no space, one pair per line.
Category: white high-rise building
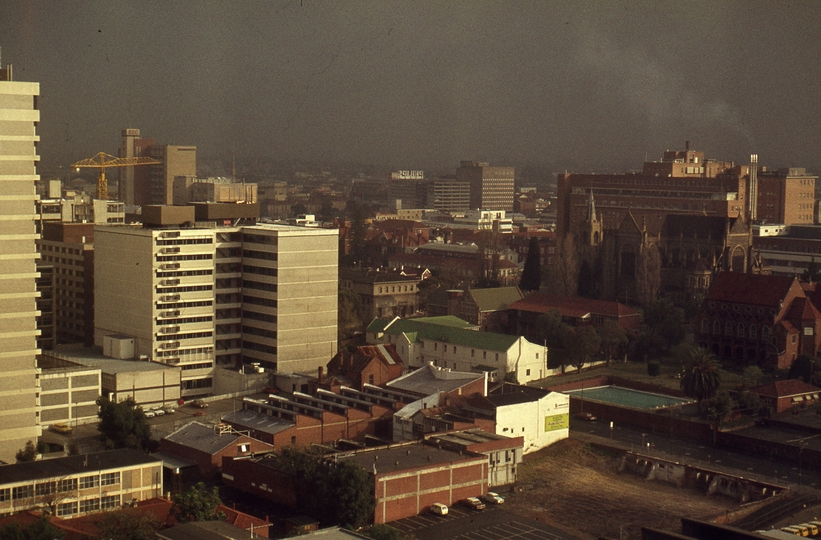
18,310
206,298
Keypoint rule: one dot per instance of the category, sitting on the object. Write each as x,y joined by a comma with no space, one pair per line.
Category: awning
173,463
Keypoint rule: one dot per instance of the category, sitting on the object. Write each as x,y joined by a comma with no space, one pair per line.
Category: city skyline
582,86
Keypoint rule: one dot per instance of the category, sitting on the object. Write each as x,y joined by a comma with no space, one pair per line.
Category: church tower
591,231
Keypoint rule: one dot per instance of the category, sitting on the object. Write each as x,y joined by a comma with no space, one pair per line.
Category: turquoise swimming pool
627,397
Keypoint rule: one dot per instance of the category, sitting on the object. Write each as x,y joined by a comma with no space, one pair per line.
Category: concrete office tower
491,188
18,333
175,161
133,185
451,195
207,298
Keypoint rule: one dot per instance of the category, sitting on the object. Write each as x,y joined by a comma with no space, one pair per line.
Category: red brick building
575,311
409,477
758,319
784,395
683,182
207,445
369,364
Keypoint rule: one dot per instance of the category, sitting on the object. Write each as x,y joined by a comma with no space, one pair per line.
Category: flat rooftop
93,357
74,465
404,456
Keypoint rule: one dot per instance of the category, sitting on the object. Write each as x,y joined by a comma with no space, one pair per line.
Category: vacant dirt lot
580,490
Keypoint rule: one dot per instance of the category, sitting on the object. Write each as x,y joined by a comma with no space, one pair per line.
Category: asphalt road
665,445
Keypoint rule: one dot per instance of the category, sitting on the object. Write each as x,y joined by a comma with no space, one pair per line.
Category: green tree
42,529
349,313
532,273
123,425
199,503
28,453
813,272
671,332
334,493
550,329
648,276
587,281
351,494
749,402
356,251
716,410
803,368
564,268
701,378
326,211
613,339
580,343
127,524
751,375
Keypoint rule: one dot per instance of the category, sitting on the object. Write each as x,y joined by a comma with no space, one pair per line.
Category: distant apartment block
204,296
19,116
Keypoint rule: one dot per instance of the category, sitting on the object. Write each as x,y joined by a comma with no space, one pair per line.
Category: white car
150,414
492,498
439,509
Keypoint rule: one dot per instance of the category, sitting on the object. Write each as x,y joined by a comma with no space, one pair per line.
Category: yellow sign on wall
557,421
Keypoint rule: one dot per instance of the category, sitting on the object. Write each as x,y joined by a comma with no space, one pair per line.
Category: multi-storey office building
18,333
451,194
69,249
207,296
491,188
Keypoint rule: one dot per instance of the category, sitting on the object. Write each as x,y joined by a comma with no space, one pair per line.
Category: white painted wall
541,422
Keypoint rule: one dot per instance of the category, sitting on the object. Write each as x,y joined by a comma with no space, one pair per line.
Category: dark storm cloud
588,85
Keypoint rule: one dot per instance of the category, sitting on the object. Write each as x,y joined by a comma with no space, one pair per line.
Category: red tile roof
571,306
753,289
791,387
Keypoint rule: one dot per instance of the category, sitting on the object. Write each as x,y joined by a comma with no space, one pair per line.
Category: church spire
591,208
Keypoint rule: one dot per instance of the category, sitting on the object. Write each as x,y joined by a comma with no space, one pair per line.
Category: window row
738,330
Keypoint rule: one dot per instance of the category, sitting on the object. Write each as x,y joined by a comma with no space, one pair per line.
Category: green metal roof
495,299
447,329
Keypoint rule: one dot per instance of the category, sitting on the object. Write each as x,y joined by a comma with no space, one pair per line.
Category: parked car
473,503
492,498
61,428
149,414
439,509
199,404
168,410
585,416
158,411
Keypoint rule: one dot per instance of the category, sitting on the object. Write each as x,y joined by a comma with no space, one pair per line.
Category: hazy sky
583,85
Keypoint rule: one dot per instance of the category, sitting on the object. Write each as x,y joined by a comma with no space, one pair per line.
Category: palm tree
701,378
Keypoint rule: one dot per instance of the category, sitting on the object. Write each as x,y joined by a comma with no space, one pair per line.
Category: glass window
67,485
109,479
111,501
66,509
89,505
89,481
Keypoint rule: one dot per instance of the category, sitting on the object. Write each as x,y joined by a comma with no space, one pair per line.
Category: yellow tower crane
103,161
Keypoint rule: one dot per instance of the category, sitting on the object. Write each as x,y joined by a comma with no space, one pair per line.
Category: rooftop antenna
233,166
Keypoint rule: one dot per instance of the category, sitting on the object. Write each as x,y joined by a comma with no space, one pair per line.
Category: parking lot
494,523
